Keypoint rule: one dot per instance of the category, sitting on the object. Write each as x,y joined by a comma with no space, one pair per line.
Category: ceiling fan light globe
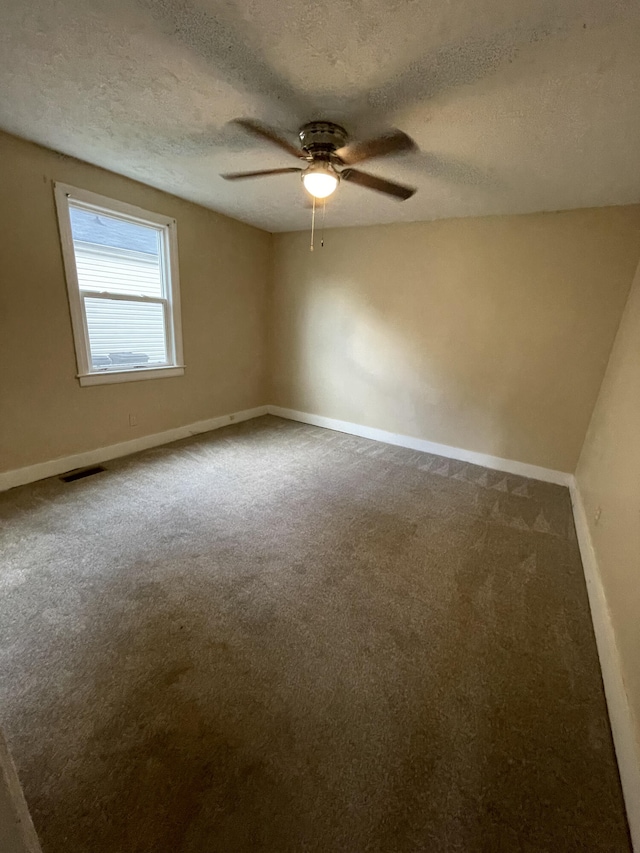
320,182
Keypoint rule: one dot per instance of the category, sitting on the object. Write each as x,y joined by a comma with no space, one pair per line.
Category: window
122,276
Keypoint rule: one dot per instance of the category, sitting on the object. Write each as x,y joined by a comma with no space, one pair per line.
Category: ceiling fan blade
263,131
371,182
395,142
240,176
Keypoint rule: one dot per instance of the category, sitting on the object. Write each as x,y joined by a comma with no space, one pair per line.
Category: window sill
109,377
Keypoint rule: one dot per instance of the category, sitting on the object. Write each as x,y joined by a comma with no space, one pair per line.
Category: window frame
87,374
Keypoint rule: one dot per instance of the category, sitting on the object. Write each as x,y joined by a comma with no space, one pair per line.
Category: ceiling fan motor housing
320,139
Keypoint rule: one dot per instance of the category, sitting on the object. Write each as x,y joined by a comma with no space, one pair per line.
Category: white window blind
123,288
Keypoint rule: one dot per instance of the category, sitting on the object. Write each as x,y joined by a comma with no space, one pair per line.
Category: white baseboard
623,725
20,476
510,466
53,467
17,834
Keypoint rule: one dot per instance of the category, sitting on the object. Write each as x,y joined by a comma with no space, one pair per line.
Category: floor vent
81,472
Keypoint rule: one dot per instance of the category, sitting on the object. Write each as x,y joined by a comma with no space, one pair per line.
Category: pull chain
324,205
313,221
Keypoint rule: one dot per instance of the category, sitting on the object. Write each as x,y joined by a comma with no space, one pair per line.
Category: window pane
116,255
123,334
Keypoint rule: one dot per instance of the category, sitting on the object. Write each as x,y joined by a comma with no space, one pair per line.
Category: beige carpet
280,638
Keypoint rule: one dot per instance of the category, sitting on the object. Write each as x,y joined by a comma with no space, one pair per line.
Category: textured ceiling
516,107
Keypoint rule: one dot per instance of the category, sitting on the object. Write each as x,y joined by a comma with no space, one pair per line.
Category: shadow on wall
364,368
490,335
377,360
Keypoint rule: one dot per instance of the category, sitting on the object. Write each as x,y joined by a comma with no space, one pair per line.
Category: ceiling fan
329,155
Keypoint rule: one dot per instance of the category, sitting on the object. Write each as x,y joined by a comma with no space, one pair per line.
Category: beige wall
223,268
608,478
487,334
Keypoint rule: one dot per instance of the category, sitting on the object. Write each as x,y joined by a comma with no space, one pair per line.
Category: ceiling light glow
320,179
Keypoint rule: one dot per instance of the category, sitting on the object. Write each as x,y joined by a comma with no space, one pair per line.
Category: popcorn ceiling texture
516,107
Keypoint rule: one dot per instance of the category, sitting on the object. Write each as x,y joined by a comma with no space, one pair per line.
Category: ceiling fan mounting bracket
320,138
